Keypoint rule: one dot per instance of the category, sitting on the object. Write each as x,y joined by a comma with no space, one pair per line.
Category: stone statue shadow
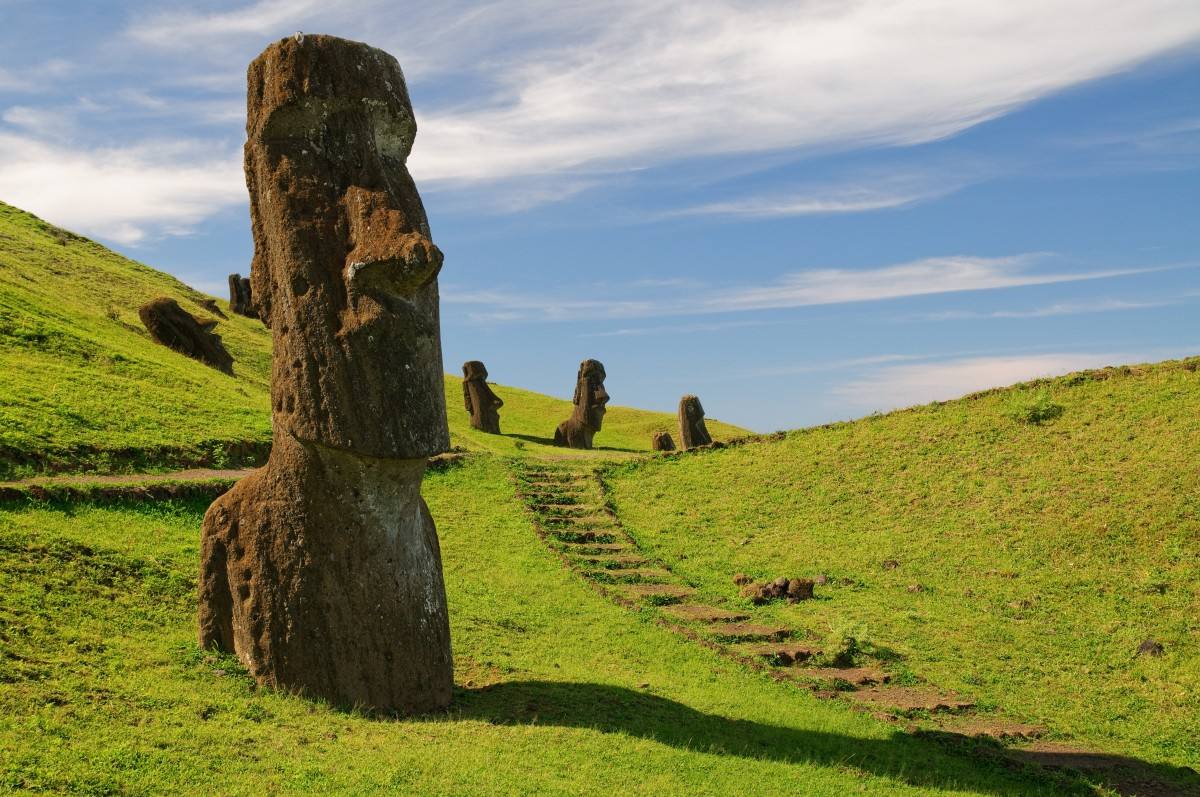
549,441
903,757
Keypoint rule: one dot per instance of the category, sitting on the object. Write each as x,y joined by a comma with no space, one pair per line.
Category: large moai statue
692,431
176,328
590,400
321,571
481,402
240,300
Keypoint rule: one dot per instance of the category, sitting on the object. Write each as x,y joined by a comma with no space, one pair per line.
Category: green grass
1047,544
103,691
86,389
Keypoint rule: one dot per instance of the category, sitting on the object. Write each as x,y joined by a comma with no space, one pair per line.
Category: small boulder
890,564
1150,648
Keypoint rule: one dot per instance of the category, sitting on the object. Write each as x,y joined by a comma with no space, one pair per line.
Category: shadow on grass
549,441
913,760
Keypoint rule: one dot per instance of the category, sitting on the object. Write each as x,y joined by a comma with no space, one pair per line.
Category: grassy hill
1017,546
85,387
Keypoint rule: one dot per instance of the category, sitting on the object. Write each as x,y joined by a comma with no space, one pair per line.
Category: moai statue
481,402
176,328
590,400
321,570
240,297
662,442
692,431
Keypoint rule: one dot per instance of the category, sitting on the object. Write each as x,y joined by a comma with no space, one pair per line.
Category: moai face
692,409
344,271
590,395
474,369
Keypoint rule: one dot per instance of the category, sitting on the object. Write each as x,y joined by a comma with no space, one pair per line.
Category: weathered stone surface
240,300
662,442
211,306
176,328
321,571
482,404
692,431
589,400
792,589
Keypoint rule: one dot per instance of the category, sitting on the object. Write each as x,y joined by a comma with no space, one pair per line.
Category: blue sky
800,211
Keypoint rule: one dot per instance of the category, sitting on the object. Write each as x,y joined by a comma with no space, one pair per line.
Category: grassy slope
86,388
1046,553
103,691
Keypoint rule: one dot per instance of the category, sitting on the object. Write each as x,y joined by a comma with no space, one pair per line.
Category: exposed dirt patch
705,614
782,654
747,631
660,592
855,676
995,728
908,700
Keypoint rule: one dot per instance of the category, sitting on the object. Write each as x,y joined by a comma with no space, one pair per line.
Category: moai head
692,431
474,370
590,395
344,271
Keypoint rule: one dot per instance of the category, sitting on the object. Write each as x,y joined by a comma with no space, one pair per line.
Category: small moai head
662,442
344,271
590,396
474,370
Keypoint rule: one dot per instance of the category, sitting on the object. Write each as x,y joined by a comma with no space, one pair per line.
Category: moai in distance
590,400
321,570
240,297
662,442
482,404
692,431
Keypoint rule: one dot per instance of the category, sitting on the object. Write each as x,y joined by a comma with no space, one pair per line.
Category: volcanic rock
482,404
176,328
321,571
589,400
692,431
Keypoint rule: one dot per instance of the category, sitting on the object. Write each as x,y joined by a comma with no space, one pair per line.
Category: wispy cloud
672,329
124,194
856,194
1057,309
799,289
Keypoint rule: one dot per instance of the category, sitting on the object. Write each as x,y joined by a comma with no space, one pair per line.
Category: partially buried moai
589,400
661,441
483,405
321,571
692,431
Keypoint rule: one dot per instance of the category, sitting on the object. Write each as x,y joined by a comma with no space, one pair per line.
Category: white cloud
605,87
1057,309
799,289
655,81
907,385
124,194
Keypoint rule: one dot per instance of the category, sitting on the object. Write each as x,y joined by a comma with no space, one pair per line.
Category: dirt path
192,475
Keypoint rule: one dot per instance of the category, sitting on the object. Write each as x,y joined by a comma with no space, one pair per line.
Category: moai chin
692,431
482,404
590,400
321,570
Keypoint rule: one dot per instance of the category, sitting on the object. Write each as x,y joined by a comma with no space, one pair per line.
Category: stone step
585,536
651,575
994,728
782,654
704,614
912,699
855,676
748,631
658,593
615,560
598,547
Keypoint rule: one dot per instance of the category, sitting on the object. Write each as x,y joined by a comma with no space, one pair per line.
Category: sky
801,211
